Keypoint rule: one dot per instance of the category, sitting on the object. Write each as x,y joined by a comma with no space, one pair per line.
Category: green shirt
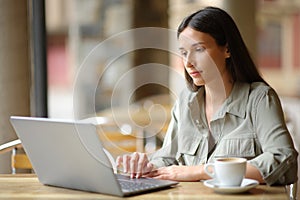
249,124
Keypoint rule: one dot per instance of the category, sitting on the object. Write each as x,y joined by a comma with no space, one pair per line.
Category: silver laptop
69,154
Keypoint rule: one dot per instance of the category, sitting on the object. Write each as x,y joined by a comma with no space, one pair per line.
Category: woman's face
204,60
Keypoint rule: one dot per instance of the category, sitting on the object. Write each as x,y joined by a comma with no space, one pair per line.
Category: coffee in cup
227,171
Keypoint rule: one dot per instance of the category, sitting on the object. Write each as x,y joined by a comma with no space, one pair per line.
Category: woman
228,110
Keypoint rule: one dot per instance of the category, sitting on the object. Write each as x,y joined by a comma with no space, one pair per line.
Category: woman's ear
227,52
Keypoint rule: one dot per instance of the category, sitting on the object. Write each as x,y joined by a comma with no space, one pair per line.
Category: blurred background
270,28
45,43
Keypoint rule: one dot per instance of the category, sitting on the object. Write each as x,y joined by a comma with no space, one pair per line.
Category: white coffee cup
227,171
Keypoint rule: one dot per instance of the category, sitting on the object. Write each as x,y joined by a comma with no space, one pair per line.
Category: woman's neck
216,92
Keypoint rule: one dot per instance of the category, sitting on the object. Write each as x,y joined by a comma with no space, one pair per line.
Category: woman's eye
200,49
183,53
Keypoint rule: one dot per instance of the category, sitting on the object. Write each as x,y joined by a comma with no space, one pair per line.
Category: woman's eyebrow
197,43
193,45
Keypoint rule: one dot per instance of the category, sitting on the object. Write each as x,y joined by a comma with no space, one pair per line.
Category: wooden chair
149,119
19,160
117,137
116,141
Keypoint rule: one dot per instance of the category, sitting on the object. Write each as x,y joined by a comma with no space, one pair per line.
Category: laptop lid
66,154
69,154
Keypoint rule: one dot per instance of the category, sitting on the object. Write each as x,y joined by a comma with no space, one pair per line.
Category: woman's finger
119,161
133,164
141,166
125,160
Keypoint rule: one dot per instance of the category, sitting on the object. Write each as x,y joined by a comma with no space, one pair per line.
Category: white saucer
247,184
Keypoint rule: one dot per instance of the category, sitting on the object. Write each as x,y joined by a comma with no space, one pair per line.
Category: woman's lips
195,73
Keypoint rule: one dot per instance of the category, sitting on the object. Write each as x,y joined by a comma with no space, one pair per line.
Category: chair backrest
19,160
117,138
117,142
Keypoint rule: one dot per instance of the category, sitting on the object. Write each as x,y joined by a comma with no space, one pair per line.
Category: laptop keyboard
131,185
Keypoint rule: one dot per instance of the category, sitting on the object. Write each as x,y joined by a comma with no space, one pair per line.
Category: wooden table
28,187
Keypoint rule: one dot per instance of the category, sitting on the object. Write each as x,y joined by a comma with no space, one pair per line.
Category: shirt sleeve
166,155
278,162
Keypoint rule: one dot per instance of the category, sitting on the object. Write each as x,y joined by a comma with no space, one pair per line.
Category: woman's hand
136,164
179,173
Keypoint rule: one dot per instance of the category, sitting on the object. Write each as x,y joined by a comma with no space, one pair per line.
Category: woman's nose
188,62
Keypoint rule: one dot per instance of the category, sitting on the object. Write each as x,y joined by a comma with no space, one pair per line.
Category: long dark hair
218,24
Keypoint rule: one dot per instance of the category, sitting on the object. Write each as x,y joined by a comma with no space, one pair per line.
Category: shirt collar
235,104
